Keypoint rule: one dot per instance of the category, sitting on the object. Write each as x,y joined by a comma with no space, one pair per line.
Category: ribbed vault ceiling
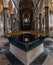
16,2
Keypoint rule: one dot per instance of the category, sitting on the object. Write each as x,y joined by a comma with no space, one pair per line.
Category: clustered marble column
11,19
14,24
33,25
5,20
9,25
17,25
5,3
47,16
43,23
40,22
36,24
46,19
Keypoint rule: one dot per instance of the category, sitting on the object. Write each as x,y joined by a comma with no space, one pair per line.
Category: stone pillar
37,19
43,25
40,22
5,20
5,4
32,25
9,25
17,24
11,17
47,16
12,22
47,19
35,25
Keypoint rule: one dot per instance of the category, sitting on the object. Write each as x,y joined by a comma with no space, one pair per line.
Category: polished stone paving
7,58
4,60
15,61
48,60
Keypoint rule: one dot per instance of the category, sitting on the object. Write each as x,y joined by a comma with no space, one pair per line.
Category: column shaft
12,22
5,20
40,22
43,28
14,25
17,25
36,24
47,19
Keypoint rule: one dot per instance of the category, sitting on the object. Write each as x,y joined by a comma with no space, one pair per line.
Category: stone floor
4,60
7,58
48,60
14,61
